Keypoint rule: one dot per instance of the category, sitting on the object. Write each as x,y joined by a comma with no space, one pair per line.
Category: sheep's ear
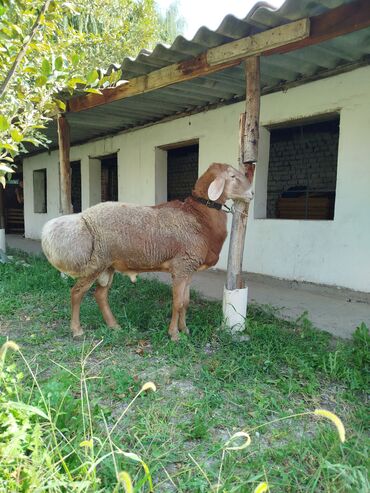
216,188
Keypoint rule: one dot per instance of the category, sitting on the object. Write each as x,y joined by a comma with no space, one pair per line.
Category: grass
209,387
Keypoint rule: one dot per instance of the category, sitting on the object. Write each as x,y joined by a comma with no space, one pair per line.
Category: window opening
182,171
303,170
40,191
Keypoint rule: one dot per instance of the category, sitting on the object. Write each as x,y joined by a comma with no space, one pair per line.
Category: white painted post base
3,257
234,307
2,240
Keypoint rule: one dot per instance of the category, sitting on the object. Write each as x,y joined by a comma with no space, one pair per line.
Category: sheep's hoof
78,335
175,336
115,327
184,330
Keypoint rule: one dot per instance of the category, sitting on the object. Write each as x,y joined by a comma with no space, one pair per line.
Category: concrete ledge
347,294
18,242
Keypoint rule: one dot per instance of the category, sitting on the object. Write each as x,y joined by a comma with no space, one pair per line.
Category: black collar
209,203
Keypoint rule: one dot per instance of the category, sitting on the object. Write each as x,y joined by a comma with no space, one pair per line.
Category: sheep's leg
182,317
178,292
101,297
77,293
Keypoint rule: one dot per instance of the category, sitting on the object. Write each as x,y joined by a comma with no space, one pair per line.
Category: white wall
330,252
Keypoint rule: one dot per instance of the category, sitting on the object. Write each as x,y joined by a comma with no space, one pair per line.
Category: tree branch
23,50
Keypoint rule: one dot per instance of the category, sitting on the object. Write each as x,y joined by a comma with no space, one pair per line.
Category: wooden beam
212,60
64,164
342,20
248,153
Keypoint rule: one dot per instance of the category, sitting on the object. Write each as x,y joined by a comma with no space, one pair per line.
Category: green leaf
38,126
74,81
52,7
45,67
9,147
2,181
4,123
93,91
16,135
92,76
61,104
75,59
35,142
5,168
30,70
16,28
115,76
21,406
131,455
58,63
41,81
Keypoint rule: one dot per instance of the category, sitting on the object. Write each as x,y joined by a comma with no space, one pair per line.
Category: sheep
176,237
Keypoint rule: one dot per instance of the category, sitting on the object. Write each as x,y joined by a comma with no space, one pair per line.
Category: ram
176,237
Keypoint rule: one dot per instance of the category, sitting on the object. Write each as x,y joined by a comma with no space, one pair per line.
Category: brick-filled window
40,191
182,171
303,171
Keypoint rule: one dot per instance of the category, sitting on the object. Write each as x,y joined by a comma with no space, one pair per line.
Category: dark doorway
182,171
14,205
109,178
76,185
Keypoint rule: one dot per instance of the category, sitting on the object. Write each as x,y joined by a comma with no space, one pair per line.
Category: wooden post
248,151
65,166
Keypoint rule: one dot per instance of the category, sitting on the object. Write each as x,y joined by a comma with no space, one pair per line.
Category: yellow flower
125,479
238,435
87,443
4,348
11,345
261,488
148,386
334,419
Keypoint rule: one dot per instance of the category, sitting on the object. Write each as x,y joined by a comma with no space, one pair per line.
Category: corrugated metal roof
222,87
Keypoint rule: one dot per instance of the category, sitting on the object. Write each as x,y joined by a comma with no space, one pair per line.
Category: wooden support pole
65,166
248,153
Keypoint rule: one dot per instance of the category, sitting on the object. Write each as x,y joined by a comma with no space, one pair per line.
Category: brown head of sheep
176,237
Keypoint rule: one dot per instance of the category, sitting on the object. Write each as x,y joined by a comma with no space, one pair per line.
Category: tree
172,23
50,47
109,30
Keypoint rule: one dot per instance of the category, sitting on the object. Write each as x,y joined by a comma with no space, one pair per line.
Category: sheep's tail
68,244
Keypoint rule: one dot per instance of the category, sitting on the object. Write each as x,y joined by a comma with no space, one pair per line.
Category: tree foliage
48,47
172,23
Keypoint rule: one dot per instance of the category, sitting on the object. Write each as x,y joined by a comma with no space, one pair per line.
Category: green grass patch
58,394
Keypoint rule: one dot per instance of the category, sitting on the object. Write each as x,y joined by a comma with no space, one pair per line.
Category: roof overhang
300,42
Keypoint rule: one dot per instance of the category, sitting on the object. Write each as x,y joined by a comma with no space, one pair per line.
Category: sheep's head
224,182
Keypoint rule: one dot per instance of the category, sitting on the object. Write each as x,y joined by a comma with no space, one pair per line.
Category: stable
178,109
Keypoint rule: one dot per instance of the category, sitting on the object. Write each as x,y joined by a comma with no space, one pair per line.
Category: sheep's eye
232,176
